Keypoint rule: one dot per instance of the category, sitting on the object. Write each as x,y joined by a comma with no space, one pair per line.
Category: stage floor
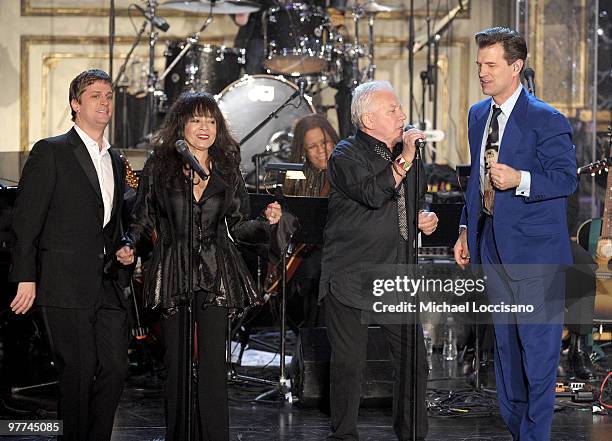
140,415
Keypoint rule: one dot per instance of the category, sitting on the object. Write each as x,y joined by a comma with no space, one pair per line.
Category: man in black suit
67,229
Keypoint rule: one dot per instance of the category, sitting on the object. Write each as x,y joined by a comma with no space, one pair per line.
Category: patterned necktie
490,156
401,200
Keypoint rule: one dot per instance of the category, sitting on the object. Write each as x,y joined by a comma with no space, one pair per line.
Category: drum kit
302,50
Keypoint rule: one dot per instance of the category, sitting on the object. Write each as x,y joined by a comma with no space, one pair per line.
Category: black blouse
160,219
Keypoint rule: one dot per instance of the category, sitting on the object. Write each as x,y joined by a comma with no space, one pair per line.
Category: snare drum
295,37
204,68
247,102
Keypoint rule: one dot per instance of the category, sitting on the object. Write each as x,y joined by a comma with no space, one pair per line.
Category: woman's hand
125,255
273,213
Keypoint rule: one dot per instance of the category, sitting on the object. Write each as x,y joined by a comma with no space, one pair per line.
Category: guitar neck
606,228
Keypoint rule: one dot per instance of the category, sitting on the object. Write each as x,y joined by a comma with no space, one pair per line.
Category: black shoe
580,365
483,371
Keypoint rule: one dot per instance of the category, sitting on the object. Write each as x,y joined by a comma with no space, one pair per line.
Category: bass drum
247,102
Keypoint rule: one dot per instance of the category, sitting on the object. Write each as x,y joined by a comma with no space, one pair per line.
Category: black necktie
401,200
490,156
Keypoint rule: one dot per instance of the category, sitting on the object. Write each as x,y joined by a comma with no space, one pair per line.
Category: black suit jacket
59,237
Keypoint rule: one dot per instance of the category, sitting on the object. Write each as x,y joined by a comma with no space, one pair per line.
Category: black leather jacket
160,218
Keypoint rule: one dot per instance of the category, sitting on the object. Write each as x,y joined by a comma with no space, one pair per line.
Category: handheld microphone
302,85
158,22
529,76
183,150
419,143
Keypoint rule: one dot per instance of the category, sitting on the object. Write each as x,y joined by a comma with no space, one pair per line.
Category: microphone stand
269,117
414,260
111,49
427,79
257,158
282,388
411,61
188,324
434,81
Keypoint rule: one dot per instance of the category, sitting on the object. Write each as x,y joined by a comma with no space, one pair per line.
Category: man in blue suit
514,223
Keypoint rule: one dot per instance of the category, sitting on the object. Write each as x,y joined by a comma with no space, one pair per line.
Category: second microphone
183,149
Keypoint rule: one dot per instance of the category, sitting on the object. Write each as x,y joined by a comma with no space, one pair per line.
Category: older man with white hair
371,208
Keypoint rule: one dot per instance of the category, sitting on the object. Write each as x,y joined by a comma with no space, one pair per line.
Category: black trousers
211,407
90,352
348,338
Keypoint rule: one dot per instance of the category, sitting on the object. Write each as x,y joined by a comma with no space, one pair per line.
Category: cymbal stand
430,75
356,74
371,70
152,77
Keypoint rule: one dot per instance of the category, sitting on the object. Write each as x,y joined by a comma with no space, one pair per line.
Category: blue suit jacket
537,139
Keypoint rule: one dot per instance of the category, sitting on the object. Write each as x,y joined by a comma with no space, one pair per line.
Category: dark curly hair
303,125
224,153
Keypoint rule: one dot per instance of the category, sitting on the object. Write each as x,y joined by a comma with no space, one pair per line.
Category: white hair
362,99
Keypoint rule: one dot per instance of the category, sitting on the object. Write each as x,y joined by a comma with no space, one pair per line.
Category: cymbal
372,7
219,7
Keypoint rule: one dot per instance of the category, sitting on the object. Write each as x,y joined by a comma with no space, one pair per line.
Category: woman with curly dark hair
314,139
221,282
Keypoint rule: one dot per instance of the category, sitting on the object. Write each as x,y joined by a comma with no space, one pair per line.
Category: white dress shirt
506,110
104,169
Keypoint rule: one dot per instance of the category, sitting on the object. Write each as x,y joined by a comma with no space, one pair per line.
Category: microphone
159,22
529,76
420,143
183,150
302,85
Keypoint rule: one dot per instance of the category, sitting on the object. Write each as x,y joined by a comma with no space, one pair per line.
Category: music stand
282,387
312,215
